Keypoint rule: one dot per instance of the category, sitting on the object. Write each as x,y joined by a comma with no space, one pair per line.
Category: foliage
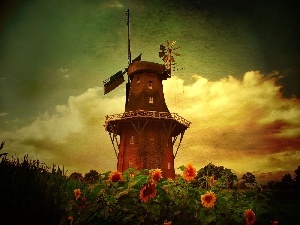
1,147
248,180
121,202
297,174
33,193
76,176
287,180
91,177
218,172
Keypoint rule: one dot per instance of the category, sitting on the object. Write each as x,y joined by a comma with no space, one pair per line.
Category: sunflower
156,174
147,192
208,200
115,176
190,172
211,181
249,216
77,193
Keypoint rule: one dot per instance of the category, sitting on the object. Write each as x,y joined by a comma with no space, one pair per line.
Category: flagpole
128,37
129,55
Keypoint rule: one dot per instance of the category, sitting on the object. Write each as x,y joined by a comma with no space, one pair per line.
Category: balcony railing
146,114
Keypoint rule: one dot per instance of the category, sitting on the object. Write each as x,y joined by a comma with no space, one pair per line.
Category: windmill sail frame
113,82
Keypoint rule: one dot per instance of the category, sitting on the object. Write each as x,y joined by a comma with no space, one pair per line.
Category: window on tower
138,80
150,84
151,100
132,140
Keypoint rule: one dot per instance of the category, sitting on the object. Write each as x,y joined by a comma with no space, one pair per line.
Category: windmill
144,135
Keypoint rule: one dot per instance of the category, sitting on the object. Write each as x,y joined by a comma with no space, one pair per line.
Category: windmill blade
177,54
167,43
163,48
173,43
165,58
113,82
161,54
172,59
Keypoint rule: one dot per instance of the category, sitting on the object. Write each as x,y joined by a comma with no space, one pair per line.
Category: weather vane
166,54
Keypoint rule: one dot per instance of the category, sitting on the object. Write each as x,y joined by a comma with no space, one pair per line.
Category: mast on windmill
144,135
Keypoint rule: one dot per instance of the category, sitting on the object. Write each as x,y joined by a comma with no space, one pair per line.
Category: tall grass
33,193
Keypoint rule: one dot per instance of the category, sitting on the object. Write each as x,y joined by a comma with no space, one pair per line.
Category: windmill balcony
114,119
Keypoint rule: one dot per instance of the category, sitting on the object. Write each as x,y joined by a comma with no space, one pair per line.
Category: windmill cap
150,67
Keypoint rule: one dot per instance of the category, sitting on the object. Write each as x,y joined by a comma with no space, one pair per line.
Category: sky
236,79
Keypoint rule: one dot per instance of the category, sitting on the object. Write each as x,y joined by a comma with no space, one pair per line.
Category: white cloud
3,114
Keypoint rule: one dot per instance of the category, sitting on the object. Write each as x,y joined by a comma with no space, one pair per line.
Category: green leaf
182,168
137,181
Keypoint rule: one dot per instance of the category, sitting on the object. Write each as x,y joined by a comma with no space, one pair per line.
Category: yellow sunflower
147,192
249,216
190,172
156,174
208,200
115,176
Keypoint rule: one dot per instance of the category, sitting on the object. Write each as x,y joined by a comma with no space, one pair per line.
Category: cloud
62,70
235,122
74,135
3,114
245,125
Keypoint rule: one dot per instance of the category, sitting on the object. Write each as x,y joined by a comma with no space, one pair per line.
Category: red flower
77,193
156,174
211,181
190,172
249,216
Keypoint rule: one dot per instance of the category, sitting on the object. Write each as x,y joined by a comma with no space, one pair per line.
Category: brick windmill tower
144,136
